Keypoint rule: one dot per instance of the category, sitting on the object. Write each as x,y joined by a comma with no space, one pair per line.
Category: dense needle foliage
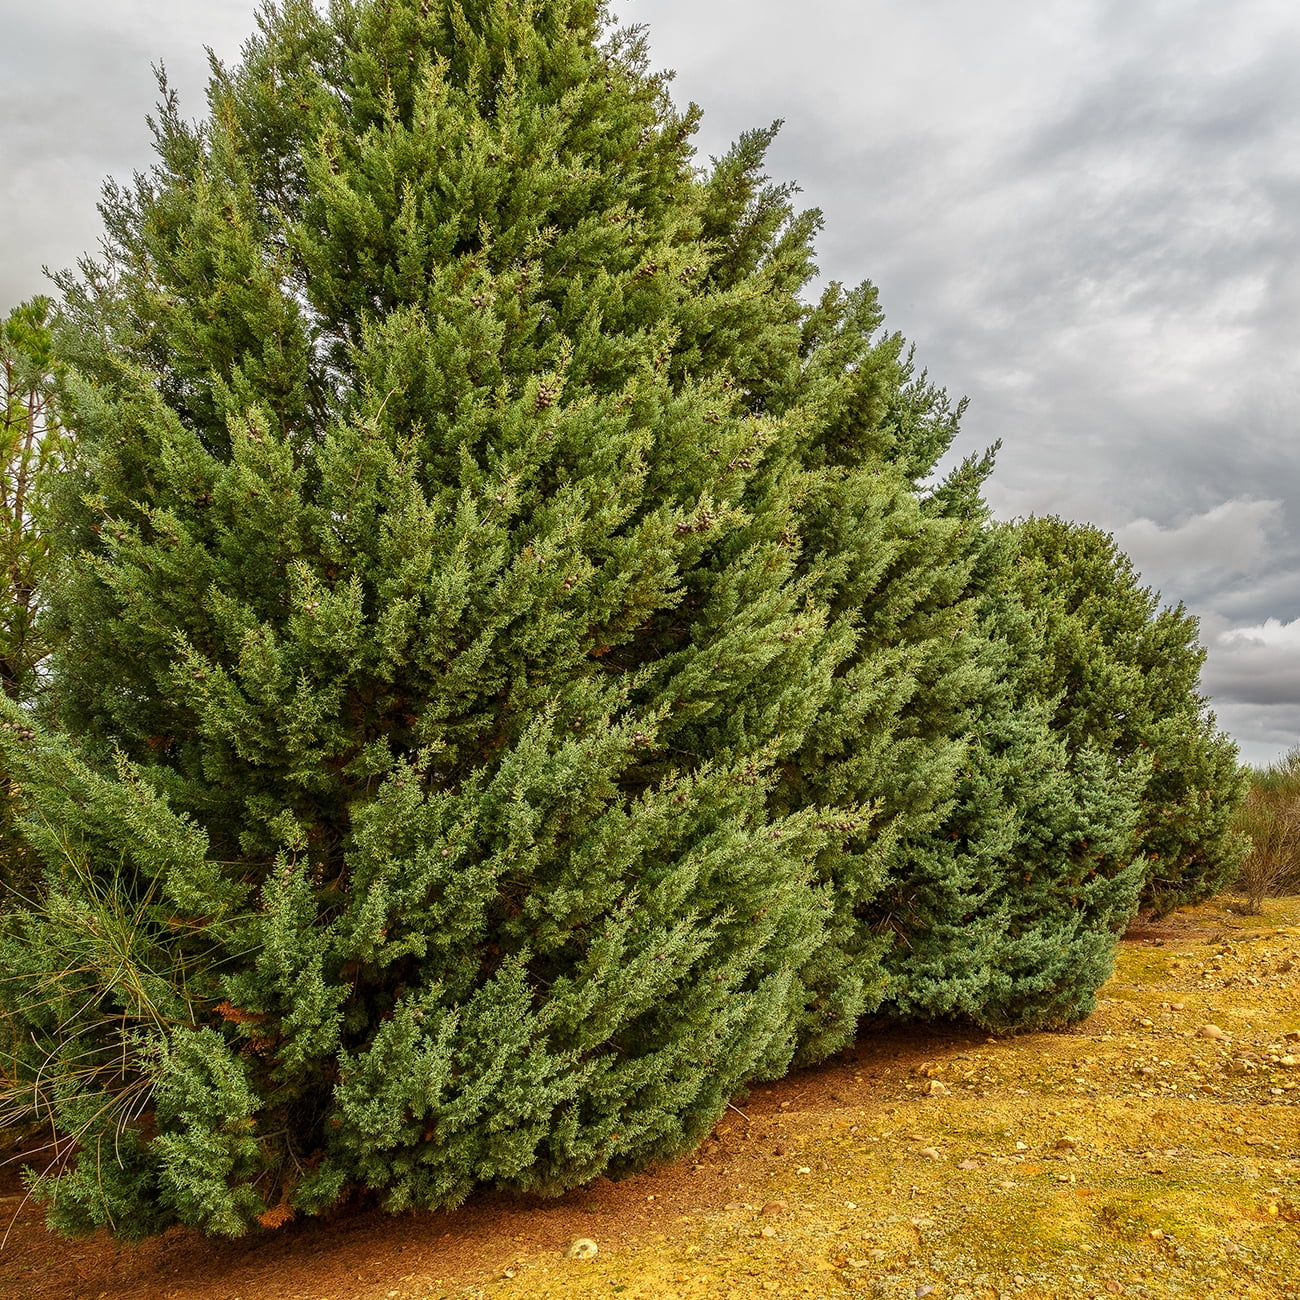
1121,675
519,679
31,455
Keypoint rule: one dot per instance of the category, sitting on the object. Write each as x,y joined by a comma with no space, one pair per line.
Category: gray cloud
75,87
1086,216
1263,732
1203,553
1253,674
1259,664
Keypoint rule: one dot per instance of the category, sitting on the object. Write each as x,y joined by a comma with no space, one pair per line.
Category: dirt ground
1151,1151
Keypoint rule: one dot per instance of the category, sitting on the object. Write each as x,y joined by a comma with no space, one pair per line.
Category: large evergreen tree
435,641
1120,673
525,681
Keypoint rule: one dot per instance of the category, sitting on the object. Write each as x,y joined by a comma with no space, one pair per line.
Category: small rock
935,1088
929,1153
1021,1146
803,1169
969,1164
1178,1006
775,1207
1210,1031
1289,1060
1157,1235
582,1248
1067,1144
769,1231
1006,1184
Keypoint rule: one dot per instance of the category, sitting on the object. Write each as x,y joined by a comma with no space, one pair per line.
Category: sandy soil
1132,1155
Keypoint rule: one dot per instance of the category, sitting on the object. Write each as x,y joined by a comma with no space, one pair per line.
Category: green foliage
31,448
31,456
436,638
1120,674
1003,863
526,685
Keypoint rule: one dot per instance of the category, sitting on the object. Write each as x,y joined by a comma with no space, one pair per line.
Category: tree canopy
519,678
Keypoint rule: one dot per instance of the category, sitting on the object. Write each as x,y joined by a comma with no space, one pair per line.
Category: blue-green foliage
1120,675
525,682
435,643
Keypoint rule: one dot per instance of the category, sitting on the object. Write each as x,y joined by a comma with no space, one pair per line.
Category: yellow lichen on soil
1151,1151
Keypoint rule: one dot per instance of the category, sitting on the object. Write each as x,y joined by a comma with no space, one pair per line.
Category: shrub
439,636
1270,817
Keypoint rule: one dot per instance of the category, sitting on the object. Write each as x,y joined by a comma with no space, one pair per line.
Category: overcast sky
1085,214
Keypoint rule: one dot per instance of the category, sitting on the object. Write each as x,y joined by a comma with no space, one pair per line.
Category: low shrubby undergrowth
1270,817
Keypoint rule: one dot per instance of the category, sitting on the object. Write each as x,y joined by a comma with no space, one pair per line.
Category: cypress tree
998,865
998,861
1032,872
1120,673
435,640
525,682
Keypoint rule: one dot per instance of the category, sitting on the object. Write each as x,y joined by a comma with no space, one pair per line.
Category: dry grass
1271,817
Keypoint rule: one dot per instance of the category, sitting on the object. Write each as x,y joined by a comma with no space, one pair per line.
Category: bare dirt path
1132,1155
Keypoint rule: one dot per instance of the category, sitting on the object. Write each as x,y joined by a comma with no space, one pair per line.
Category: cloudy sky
1085,214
